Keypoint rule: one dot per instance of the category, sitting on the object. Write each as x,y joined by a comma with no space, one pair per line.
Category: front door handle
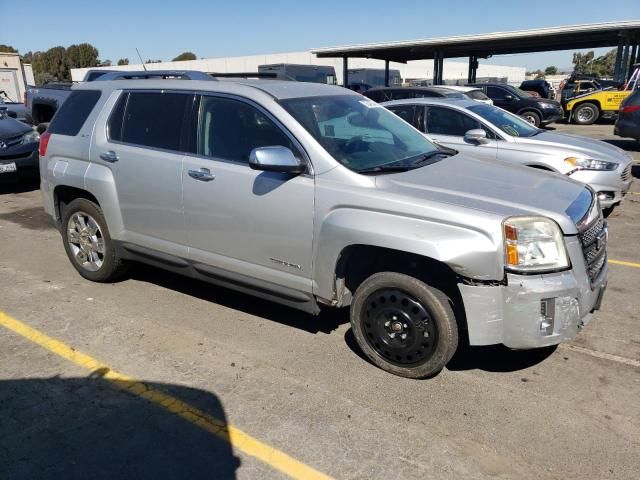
109,156
204,175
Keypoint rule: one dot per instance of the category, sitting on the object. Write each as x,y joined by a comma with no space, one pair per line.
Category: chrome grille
626,174
594,246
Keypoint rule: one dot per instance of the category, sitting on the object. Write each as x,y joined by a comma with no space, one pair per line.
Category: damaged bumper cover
533,311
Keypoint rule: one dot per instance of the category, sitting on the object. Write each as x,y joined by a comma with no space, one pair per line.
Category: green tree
123,61
588,63
7,49
83,55
185,56
55,63
551,70
153,61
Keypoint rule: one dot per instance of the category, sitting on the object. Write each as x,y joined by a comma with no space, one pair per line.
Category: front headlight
533,244
30,137
590,164
548,105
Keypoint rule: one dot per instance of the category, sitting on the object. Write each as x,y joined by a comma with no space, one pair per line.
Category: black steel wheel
399,327
403,325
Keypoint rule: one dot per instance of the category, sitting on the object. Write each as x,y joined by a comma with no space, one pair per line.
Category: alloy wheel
86,241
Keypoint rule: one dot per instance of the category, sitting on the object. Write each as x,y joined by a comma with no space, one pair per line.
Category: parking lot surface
159,375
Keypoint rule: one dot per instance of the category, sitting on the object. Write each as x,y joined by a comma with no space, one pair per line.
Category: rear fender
100,182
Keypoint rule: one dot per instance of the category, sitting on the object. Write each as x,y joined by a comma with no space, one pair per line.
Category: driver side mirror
275,159
477,136
508,98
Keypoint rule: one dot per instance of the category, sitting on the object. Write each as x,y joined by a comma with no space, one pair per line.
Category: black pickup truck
43,102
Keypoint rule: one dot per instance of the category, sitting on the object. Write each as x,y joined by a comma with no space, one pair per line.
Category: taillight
26,102
44,143
630,108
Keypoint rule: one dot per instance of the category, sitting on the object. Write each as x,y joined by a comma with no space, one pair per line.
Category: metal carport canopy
499,43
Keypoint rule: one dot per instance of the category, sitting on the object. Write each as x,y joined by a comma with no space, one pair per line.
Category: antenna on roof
140,57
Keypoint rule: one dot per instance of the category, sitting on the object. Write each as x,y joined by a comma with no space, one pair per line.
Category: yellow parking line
626,264
237,438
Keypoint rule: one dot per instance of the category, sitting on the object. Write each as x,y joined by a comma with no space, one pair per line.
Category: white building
419,69
14,77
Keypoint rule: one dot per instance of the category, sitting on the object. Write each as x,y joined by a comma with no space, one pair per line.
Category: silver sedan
489,132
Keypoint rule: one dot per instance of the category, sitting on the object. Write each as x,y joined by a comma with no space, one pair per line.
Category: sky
162,29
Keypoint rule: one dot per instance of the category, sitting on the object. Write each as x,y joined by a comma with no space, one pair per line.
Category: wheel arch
593,101
43,110
358,262
530,109
97,185
470,250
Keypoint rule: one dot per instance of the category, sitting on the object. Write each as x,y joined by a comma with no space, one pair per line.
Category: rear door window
405,112
153,119
445,121
69,119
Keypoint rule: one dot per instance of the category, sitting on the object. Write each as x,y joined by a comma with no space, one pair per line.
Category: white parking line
603,355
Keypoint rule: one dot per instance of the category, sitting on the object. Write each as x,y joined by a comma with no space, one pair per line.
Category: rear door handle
109,156
204,175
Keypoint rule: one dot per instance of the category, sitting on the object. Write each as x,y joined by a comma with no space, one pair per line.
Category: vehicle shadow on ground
7,187
81,428
497,358
326,322
493,358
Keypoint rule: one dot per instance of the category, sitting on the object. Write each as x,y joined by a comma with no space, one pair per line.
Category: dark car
386,94
541,87
18,148
537,111
628,121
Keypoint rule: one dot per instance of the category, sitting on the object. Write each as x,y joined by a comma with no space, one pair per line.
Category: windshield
507,122
359,133
522,93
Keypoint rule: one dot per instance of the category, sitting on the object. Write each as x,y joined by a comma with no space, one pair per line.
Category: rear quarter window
153,119
71,116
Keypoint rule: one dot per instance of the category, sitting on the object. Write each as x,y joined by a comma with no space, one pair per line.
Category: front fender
469,252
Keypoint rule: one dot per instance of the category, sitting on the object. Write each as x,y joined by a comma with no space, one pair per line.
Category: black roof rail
155,75
246,75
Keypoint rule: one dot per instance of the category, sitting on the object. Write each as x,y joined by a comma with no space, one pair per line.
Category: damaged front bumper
533,311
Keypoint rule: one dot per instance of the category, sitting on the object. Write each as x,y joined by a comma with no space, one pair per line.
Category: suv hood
585,147
490,186
546,100
10,127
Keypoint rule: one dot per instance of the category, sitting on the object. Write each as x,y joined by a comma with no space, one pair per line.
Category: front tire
532,117
88,243
403,325
586,114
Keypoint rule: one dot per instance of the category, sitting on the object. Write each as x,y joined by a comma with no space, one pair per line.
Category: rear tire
532,117
403,325
585,114
88,244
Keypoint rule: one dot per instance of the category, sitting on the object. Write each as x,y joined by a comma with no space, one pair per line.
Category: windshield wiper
385,169
431,156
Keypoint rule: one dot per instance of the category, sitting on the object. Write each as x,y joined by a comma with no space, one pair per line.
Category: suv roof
278,89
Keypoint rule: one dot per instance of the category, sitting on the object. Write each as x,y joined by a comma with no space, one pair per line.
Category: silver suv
313,196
